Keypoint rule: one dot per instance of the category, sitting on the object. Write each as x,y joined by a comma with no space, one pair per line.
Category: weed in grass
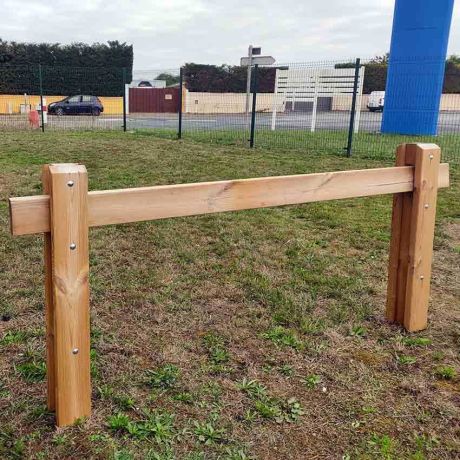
358,331
438,355
164,377
12,337
279,335
236,454
253,388
167,454
123,455
32,371
156,425
268,408
292,410
383,446
445,372
124,401
60,439
38,412
184,397
267,368
312,326
212,389
369,410
159,425
118,422
195,456
207,434
105,391
250,416
312,381
212,341
416,341
424,443
99,437
10,447
217,352
286,370
406,360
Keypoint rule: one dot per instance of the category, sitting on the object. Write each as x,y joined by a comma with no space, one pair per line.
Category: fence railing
66,211
329,106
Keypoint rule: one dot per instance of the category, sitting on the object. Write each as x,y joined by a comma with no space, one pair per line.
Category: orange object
34,119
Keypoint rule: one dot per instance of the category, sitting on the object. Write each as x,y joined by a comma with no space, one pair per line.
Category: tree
170,79
375,75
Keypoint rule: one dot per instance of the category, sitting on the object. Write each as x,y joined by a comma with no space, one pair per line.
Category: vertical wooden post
49,305
411,249
70,290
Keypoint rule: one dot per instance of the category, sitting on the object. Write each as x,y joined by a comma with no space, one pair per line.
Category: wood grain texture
423,215
69,224
49,305
31,214
395,244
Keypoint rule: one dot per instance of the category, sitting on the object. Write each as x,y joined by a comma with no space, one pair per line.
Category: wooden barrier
67,210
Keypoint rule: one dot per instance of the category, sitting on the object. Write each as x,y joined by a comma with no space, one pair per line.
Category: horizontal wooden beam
31,214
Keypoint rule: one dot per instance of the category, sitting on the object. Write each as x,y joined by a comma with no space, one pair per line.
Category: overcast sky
168,33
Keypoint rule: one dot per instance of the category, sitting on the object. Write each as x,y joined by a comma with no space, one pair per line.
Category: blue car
77,105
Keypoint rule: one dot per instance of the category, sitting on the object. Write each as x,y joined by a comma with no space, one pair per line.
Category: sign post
249,61
248,79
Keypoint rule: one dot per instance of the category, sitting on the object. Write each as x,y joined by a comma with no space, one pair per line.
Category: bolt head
427,206
70,183
431,157
422,277
75,351
73,246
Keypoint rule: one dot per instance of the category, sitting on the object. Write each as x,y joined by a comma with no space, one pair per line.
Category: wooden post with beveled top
411,249
67,293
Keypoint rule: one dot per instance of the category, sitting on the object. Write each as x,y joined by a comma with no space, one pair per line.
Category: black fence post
42,115
351,127
124,99
181,82
254,100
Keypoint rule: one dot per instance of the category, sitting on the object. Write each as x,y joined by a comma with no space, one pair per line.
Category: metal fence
333,106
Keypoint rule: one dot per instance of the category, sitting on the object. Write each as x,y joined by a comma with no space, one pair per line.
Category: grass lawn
365,144
247,335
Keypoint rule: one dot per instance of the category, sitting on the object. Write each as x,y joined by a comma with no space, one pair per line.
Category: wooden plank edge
22,222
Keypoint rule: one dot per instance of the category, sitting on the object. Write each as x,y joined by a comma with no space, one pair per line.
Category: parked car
376,101
77,105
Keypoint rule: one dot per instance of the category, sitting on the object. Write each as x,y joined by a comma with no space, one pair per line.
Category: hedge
225,79
66,69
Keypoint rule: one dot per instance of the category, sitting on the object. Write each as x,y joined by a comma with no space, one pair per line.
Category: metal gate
153,100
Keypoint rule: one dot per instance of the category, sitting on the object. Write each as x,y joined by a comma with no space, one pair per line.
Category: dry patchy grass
255,334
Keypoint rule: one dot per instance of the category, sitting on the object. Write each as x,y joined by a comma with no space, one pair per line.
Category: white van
376,101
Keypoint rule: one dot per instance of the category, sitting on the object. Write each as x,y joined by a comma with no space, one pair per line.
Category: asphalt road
449,122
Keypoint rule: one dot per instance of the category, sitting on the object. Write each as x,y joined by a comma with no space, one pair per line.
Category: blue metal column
417,64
